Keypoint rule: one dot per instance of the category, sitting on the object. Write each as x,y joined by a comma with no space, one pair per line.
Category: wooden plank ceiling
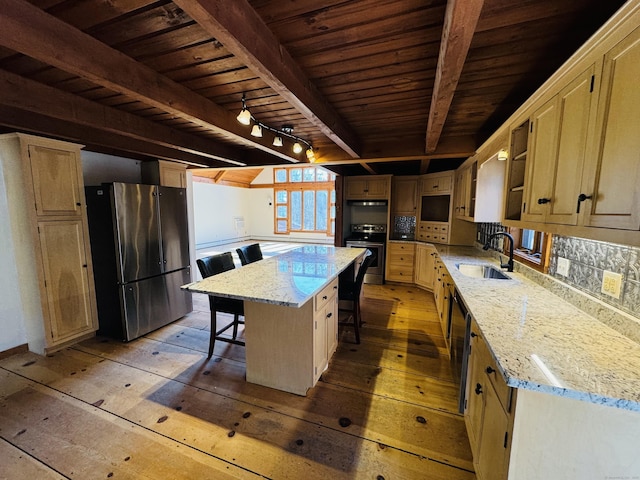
376,86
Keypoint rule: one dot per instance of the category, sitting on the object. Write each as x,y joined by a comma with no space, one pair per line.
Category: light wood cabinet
612,174
400,262
167,174
465,188
368,187
436,232
424,269
558,144
441,286
518,151
325,324
436,183
48,221
489,407
404,195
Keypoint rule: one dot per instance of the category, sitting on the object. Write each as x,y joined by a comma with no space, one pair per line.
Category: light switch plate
563,266
611,284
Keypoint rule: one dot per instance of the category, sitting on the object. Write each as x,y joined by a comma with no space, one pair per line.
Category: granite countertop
541,342
289,279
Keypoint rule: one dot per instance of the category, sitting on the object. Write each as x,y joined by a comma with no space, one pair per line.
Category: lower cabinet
488,413
400,262
325,326
424,273
441,293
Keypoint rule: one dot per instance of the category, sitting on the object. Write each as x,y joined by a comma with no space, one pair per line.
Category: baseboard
14,351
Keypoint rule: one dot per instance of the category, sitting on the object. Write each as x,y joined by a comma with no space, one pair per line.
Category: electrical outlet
563,266
611,283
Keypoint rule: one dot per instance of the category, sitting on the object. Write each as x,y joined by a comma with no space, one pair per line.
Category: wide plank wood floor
157,408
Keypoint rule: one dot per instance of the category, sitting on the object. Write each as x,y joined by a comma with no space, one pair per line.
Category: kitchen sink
481,271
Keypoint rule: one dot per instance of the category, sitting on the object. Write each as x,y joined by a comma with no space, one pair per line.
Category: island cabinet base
288,348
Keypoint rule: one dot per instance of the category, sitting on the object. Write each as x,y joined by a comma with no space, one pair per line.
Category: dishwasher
459,336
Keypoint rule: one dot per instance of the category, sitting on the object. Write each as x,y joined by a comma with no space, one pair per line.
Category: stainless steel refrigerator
140,251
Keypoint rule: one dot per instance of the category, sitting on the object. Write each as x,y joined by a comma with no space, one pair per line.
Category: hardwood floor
156,408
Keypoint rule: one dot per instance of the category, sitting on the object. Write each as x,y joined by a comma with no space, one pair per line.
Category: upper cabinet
167,174
404,195
610,194
465,188
518,151
436,183
367,187
574,161
557,150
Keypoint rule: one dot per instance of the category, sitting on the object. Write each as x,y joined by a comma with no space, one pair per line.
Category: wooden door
612,176
404,196
575,110
56,181
425,260
378,188
355,188
67,280
541,158
491,462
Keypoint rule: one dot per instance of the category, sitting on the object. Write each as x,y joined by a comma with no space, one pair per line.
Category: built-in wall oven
459,337
373,237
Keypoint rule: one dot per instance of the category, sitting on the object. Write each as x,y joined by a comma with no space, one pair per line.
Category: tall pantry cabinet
46,210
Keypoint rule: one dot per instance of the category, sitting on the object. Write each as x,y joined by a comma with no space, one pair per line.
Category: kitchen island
290,304
575,408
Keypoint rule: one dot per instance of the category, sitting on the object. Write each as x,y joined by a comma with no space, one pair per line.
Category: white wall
219,212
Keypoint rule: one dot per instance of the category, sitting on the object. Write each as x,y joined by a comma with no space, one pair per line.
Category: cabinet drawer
323,297
401,248
401,258
400,273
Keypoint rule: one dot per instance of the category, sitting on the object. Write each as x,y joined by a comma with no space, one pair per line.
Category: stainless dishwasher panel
460,330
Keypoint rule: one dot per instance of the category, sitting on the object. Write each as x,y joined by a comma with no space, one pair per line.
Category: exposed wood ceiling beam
241,30
368,168
112,143
32,32
424,165
461,18
29,95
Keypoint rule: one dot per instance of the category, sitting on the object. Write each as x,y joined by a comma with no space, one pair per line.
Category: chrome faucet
509,264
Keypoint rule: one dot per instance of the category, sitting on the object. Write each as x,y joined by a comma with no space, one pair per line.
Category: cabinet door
67,282
474,395
356,188
404,196
425,260
378,188
575,109
613,173
542,154
331,314
320,359
56,181
173,176
491,462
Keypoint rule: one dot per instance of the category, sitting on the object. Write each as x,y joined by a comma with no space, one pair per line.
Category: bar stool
350,291
208,267
249,253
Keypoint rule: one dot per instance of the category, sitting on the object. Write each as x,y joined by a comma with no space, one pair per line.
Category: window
305,200
531,247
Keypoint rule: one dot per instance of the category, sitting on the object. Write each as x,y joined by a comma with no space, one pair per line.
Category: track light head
277,141
256,131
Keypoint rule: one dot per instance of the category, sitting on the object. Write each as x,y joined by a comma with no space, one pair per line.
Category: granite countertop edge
542,343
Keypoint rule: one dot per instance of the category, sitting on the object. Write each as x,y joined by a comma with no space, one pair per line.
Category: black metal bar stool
208,267
350,291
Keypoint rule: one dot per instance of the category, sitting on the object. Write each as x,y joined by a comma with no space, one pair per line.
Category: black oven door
375,272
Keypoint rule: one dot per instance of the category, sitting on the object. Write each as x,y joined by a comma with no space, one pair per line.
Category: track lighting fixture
245,117
503,155
256,131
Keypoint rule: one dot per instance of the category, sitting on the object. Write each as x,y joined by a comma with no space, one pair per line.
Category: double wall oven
373,237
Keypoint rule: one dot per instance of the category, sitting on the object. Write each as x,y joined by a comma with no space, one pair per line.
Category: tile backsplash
589,259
